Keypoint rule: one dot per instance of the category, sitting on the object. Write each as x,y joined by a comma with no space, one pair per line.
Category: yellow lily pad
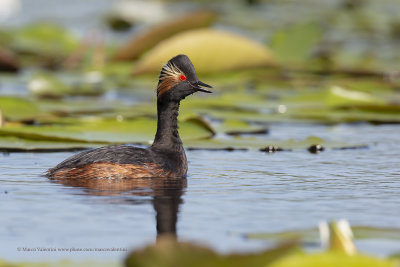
210,50
146,40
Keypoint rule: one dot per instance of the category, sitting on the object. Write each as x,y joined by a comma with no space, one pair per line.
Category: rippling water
228,194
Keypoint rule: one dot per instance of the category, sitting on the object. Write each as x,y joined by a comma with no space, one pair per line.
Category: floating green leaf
46,39
338,96
16,144
238,127
16,109
56,85
140,130
47,85
211,51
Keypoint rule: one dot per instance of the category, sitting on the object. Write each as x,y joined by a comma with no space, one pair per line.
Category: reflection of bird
166,196
165,158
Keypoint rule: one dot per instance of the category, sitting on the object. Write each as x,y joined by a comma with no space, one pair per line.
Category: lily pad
211,51
339,96
255,143
15,144
47,85
45,39
238,127
140,130
149,38
18,109
50,85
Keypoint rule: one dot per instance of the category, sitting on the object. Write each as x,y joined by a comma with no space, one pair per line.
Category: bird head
178,80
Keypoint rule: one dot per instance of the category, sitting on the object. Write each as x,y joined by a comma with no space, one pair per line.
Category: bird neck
167,136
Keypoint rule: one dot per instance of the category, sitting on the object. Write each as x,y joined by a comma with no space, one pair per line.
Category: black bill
199,87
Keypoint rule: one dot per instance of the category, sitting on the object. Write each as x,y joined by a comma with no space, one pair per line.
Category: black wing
122,154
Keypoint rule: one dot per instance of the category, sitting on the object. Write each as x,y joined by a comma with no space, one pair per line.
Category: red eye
182,77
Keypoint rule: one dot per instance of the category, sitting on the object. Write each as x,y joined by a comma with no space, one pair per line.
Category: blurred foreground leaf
331,259
170,253
211,51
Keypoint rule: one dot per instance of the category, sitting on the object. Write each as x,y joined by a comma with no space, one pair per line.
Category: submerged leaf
148,39
211,51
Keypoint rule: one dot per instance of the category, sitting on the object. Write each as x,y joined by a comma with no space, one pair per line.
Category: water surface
227,194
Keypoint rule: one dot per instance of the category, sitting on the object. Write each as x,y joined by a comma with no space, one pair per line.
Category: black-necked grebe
165,157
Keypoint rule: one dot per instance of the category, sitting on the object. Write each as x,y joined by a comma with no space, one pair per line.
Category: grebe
165,157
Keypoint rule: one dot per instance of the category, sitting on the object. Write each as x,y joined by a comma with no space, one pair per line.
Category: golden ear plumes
169,77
